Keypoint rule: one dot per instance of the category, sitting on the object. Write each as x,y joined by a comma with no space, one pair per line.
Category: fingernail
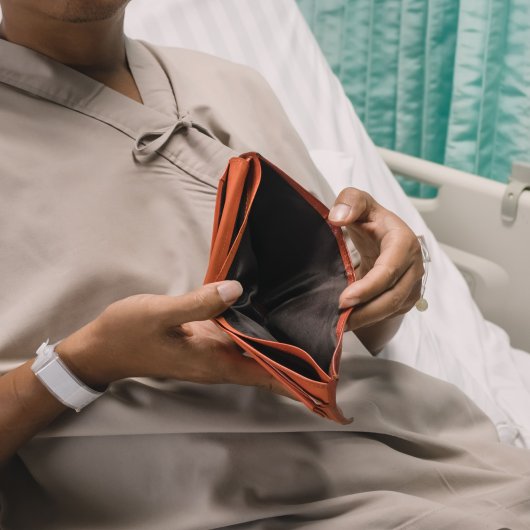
229,291
339,212
349,302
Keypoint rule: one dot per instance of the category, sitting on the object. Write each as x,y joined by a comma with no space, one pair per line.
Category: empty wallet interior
292,271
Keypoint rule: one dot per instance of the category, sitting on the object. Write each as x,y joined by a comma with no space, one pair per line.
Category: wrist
80,353
59,380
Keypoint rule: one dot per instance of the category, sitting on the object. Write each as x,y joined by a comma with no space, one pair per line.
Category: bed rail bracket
518,183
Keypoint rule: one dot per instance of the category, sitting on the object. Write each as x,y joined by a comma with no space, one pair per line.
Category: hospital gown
102,198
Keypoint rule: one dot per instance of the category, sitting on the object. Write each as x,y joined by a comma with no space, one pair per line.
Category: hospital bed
479,259
483,226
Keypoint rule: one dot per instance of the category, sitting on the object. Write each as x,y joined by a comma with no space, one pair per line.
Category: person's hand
164,336
391,269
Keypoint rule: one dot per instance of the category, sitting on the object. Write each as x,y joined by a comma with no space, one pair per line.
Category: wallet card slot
286,356
287,360
300,392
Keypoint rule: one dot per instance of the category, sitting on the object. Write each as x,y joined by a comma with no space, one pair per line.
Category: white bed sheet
451,340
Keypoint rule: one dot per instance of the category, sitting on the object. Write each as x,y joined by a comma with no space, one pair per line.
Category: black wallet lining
292,272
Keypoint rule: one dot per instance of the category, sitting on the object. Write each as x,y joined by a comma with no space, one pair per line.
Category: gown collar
153,126
152,82
37,74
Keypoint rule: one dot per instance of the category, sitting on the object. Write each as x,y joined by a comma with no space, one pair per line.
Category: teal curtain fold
445,80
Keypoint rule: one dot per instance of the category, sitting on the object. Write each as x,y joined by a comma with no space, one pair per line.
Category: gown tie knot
149,142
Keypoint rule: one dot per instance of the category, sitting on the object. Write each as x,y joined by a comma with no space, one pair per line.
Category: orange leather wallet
273,236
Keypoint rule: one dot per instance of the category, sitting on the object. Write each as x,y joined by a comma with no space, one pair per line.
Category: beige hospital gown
94,208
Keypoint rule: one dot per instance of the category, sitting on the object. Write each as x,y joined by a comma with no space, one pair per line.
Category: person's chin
81,11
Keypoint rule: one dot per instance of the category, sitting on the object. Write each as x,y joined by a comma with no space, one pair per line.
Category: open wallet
273,236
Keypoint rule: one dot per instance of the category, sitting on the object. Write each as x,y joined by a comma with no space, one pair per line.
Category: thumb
204,303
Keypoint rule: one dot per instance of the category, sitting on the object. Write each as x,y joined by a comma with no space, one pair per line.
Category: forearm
377,336
27,408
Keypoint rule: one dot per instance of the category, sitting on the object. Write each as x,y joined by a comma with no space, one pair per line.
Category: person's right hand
164,336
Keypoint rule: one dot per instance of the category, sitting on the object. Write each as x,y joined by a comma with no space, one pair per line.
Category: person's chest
84,223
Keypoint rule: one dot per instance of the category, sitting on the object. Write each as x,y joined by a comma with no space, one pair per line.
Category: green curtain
445,80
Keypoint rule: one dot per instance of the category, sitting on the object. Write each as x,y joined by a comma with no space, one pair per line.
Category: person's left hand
391,269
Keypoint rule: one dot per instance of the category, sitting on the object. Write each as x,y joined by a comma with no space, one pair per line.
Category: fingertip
229,291
346,303
339,213
349,299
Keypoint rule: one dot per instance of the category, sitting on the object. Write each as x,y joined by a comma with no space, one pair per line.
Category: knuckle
348,193
363,199
200,298
366,197
353,195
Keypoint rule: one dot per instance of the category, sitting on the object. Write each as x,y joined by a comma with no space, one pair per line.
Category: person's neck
96,49
89,46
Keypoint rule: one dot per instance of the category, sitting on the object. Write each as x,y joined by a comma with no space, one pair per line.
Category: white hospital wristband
60,381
